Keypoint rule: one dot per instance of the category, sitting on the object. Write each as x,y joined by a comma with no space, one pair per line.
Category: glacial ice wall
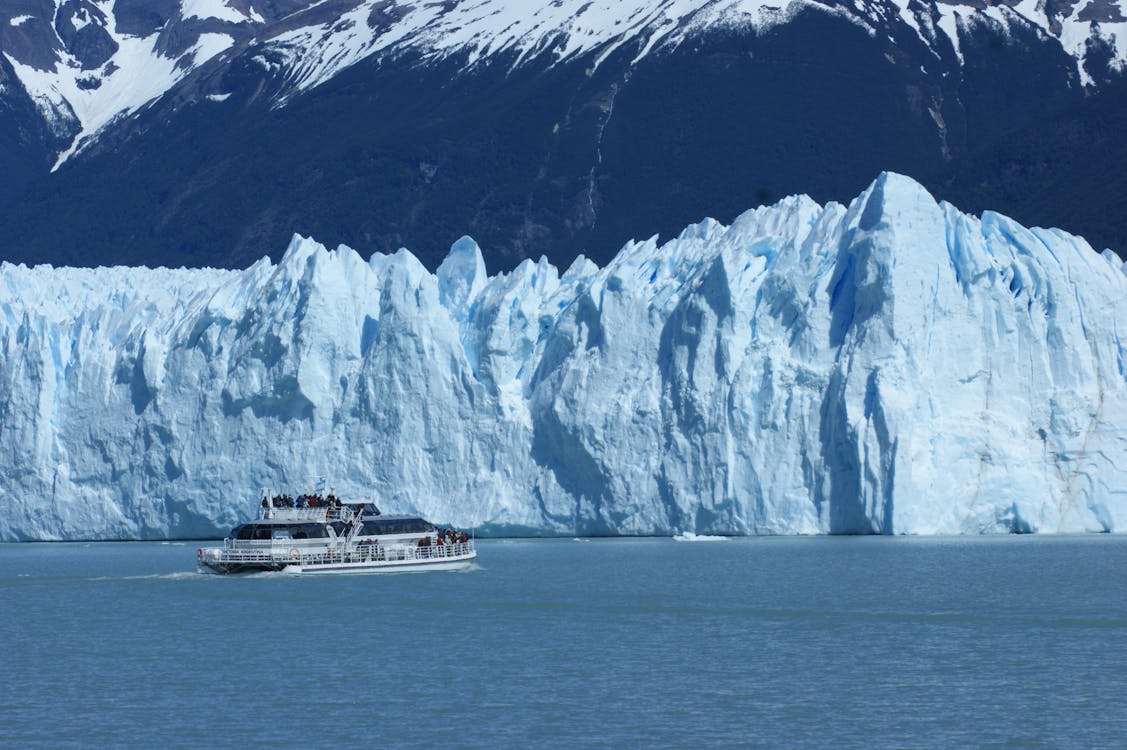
893,366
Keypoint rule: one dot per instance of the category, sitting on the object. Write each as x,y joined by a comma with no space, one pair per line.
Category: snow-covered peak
91,62
480,29
475,30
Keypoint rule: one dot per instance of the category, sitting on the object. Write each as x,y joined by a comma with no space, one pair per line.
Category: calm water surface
780,642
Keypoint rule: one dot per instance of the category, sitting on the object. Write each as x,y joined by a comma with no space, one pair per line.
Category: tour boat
317,534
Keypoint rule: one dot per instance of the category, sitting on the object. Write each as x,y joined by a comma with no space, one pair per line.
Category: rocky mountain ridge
204,132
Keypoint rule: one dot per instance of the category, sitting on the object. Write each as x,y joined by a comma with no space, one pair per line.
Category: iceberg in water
893,366
688,536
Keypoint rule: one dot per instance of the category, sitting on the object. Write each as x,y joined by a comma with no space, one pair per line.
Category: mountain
205,132
894,366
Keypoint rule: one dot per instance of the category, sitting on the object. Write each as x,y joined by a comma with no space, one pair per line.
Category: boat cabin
383,525
266,530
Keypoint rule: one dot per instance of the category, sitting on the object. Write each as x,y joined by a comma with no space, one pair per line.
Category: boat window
244,532
304,531
307,531
281,533
396,526
262,532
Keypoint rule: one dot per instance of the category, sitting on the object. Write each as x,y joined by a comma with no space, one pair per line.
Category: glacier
893,366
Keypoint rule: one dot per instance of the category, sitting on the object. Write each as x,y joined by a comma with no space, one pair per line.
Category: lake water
1013,642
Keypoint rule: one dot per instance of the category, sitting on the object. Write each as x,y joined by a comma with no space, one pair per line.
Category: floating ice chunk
688,536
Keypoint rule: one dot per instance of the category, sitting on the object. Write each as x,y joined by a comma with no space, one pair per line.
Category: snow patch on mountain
218,9
135,75
209,46
1074,29
1076,38
893,366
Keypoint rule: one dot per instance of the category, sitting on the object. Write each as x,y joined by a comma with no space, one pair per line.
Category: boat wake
181,575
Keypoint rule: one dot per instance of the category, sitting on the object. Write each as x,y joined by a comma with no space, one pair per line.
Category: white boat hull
382,566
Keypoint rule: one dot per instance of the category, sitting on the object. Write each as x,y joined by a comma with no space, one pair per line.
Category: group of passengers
302,501
446,536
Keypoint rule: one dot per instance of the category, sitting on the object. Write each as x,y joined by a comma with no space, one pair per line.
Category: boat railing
320,513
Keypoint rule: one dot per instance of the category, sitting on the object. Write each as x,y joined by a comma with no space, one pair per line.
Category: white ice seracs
893,366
